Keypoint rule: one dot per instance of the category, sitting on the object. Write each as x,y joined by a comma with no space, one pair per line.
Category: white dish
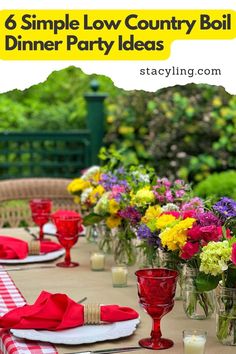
35,259
50,228
81,335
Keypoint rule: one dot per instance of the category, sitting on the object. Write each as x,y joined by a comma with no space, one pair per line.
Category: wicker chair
15,195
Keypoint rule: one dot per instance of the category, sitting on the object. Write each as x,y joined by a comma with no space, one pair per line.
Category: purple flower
144,233
109,180
207,219
226,208
131,214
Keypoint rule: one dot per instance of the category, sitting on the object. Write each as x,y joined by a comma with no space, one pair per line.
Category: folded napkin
57,311
13,248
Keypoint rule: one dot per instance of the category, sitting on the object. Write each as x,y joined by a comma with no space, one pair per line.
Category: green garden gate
49,154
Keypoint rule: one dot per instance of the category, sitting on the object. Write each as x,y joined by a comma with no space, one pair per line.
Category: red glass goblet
156,291
68,229
40,210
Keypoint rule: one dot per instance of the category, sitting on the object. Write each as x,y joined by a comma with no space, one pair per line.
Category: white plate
35,259
81,335
50,228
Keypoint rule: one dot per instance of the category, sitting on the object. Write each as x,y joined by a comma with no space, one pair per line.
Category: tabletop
97,287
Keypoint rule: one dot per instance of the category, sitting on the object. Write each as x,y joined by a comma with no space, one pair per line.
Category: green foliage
183,131
55,105
206,282
186,131
217,185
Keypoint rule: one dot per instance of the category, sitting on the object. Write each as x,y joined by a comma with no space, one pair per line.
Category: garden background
183,131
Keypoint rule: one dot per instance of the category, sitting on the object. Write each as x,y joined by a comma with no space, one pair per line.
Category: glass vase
226,315
105,239
91,233
167,260
147,255
197,305
125,251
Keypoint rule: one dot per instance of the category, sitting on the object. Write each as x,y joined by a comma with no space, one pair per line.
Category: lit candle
97,261
194,342
119,276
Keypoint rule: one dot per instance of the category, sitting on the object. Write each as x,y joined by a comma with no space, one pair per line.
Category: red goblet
68,229
40,210
156,291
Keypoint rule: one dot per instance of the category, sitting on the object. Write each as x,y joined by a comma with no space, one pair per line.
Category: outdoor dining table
97,287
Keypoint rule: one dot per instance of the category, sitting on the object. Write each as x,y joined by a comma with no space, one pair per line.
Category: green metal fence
49,154
44,154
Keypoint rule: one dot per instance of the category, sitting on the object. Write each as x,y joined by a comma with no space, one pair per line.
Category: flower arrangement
87,189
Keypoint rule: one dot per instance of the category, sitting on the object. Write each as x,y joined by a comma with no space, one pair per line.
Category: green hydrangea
215,257
102,205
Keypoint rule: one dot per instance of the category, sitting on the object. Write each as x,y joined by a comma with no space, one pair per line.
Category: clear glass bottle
226,315
197,305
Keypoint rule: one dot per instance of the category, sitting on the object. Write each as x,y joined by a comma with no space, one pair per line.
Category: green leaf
92,219
206,282
231,276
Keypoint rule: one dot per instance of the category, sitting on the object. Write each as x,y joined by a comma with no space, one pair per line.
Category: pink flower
169,196
233,255
189,214
189,250
116,190
176,214
179,193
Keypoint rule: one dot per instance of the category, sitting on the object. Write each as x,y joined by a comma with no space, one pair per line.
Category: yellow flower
175,237
152,212
185,224
165,220
142,197
96,177
77,185
96,193
113,221
77,200
113,206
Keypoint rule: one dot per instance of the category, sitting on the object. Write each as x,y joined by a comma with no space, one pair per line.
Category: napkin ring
34,247
91,314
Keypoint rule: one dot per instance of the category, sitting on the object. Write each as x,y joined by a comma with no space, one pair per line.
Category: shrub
217,185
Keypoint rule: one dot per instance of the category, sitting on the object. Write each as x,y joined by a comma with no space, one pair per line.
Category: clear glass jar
197,305
166,260
125,251
105,240
91,233
226,315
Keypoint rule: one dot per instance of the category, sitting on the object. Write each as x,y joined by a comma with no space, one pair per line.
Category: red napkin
13,248
57,311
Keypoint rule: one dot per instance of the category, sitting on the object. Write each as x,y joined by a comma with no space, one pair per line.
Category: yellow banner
107,34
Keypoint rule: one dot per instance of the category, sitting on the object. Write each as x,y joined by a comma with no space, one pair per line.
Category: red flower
205,234
211,233
176,214
189,214
233,255
189,250
195,234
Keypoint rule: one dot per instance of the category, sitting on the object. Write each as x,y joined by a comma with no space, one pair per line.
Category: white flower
170,206
90,172
85,194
